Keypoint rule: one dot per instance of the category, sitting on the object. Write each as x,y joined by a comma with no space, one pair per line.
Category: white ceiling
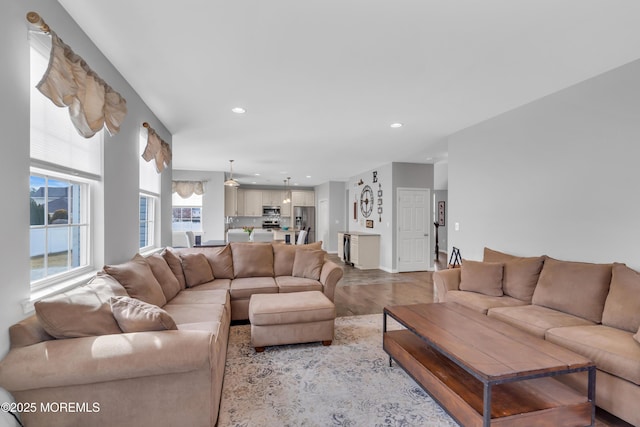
322,80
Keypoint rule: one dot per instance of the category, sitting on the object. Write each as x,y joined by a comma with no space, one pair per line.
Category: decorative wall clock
366,201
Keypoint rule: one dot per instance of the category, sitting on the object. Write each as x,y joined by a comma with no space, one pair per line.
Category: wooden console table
484,372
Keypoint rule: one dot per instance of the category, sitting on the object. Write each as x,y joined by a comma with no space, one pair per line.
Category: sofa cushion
214,284
138,279
252,259
190,296
308,264
197,269
536,319
520,275
611,349
175,265
480,302
622,306
481,277
163,274
284,256
577,288
195,313
134,315
288,284
83,311
28,331
243,288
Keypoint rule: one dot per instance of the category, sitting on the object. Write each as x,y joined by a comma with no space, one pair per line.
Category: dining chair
191,238
301,237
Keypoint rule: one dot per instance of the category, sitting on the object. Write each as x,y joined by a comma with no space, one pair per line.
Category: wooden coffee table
485,372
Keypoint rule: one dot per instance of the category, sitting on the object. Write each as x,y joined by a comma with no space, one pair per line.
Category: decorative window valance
70,82
156,149
187,188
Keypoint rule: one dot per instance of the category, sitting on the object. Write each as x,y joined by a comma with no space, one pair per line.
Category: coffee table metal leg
591,393
384,329
486,412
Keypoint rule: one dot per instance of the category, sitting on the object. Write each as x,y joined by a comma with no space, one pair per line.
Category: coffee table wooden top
488,349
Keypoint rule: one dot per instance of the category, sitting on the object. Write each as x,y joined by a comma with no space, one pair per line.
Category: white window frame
151,220
180,203
86,250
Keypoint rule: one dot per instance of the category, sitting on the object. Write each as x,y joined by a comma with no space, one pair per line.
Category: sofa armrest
444,281
87,360
329,277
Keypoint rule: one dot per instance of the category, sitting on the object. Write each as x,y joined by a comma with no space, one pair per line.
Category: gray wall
332,193
118,238
558,176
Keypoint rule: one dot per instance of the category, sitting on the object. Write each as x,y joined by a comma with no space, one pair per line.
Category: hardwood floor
369,291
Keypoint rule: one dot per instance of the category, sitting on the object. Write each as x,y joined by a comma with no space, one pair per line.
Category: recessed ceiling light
239,110
308,176
256,174
254,182
396,125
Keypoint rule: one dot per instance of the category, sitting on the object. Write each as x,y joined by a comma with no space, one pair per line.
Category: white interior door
413,229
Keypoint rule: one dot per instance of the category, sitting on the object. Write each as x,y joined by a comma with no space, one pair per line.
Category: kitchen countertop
358,233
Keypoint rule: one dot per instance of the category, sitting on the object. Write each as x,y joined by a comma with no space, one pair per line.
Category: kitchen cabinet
363,251
230,201
303,198
240,202
253,203
272,197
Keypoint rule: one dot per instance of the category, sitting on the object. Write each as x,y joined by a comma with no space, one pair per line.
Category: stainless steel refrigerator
304,217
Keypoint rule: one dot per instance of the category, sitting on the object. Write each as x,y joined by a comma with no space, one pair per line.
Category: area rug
346,384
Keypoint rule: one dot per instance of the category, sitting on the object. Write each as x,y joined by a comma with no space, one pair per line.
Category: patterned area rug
346,384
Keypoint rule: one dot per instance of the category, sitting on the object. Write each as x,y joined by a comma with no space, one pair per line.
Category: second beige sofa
592,309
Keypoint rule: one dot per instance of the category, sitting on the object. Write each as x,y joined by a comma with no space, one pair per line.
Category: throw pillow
284,255
520,275
138,279
83,311
578,288
196,269
622,307
134,315
163,274
175,265
221,261
482,277
252,259
308,264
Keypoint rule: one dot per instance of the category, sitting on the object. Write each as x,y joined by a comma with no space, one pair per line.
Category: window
150,184
147,223
187,213
59,226
65,171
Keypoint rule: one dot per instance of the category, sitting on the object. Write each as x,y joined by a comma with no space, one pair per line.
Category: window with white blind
65,170
187,213
150,187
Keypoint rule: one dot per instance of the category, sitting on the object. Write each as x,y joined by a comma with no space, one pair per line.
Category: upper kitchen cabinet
230,201
253,203
272,197
303,198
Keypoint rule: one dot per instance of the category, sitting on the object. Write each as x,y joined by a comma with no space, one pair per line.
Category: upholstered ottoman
290,318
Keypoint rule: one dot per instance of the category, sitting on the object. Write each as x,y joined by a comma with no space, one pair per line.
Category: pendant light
231,182
287,191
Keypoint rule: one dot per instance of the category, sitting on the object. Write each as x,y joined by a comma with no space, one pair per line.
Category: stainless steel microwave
271,211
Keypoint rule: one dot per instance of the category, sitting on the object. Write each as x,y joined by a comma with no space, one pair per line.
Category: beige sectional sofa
144,343
592,309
